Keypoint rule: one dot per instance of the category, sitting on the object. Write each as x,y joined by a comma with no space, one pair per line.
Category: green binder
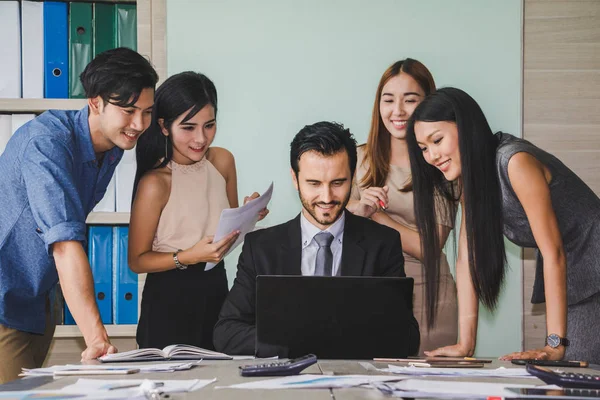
80,45
127,26
105,27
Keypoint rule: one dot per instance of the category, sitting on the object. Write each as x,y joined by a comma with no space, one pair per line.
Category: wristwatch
178,265
553,340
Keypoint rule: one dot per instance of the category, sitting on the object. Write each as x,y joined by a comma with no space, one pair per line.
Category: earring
166,147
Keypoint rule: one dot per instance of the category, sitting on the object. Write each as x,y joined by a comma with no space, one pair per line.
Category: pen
156,384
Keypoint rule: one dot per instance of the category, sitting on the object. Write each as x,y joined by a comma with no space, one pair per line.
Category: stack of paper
134,385
444,389
103,369
480,372
307,381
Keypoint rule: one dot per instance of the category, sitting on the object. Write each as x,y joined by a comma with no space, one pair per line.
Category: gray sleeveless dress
577,210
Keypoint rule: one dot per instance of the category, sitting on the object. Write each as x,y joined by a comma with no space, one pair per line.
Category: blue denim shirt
49,182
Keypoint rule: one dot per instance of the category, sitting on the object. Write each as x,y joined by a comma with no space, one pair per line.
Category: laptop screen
334,317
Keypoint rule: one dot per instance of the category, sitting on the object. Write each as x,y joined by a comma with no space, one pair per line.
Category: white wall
279,65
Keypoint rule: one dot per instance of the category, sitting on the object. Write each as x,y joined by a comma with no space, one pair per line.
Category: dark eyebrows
405,94
188,123
430,135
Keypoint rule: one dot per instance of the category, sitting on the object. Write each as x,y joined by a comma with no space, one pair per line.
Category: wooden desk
227,374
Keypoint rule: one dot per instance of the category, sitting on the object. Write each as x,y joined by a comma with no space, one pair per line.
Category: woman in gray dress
508,187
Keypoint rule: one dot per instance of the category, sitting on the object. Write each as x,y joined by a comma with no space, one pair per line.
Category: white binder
107,204
124,183
5,130
32,40
18,120
10,43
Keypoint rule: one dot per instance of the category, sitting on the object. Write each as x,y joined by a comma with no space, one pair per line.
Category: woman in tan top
181,186
383,191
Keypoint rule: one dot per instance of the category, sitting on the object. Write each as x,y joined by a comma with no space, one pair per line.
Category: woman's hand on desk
262,213
207,251
545,353
457,350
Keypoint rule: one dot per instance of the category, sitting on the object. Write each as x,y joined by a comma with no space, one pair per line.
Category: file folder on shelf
100,248
10,61
5,130
125,175
18,120
107,204
80,45
32,47
56,50
125,281
105,27
127,26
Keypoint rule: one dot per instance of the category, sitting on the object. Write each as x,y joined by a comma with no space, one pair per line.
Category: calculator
565,379
279,368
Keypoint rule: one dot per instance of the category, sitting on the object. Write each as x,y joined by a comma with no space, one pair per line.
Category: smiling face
192,138
439,143
122,126
399,98
323,184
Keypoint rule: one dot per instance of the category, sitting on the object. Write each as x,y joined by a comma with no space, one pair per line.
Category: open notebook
172,352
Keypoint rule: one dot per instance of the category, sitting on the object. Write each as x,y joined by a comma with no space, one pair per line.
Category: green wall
279,65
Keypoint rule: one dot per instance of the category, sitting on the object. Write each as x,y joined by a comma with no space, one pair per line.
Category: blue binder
68,317
125,281
56,50
100,248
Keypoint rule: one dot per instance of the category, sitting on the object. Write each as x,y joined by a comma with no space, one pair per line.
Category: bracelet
178,265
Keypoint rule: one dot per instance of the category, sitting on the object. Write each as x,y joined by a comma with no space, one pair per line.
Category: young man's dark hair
118,76
326,138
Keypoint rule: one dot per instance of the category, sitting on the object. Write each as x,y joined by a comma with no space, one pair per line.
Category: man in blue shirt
53,172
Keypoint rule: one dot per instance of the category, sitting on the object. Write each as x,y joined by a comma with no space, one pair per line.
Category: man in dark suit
323,240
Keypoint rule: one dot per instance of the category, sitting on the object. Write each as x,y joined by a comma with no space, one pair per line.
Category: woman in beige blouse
382,191
182,184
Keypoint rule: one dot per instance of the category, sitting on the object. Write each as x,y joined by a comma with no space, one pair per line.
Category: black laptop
333,317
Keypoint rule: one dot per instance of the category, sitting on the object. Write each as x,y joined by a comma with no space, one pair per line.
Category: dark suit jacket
368,249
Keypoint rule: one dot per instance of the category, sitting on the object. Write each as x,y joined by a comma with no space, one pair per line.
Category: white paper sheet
167,386
143,367
445,389
482,372
306,381
243,218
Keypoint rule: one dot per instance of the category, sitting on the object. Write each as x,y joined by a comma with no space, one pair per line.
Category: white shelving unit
108,218
72,331
40,105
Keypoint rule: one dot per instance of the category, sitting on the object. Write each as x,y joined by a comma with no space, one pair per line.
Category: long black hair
182,92
480,188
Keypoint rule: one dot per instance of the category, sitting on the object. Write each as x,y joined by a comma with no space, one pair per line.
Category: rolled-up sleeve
51,190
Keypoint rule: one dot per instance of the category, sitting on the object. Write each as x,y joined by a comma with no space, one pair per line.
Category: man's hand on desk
98,349
545,353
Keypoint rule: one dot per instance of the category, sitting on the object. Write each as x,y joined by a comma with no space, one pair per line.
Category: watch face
553,340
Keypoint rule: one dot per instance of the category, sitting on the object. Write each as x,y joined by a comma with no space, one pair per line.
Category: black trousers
182,307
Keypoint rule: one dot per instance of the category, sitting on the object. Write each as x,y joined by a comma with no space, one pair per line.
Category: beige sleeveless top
198,195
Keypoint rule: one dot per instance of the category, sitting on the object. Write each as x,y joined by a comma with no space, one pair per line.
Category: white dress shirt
310,246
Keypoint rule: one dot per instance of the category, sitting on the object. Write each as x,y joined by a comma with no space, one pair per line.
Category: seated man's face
324,184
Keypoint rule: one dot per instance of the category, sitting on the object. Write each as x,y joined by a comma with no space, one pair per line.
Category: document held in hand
243,218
